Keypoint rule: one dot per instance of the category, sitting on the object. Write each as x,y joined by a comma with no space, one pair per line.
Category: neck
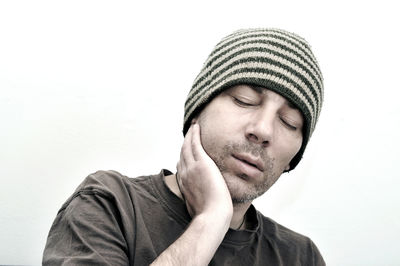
238,221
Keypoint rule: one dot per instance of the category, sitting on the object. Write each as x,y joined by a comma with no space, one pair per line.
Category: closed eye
242,103
288,124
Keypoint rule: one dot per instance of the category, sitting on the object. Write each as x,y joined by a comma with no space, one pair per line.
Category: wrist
213,220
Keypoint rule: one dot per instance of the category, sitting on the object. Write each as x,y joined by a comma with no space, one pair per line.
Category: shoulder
110,181
110,185
95,220
103,182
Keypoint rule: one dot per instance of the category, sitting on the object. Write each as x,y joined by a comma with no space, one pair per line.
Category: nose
260,129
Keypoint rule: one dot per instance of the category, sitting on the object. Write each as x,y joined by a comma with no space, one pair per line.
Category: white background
88,85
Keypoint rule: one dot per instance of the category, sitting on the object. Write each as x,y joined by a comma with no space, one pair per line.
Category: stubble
247,192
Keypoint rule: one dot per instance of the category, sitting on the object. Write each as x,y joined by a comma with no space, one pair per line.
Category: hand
208,201
200,180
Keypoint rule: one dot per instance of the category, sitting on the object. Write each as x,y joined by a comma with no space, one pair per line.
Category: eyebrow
261,90
291,105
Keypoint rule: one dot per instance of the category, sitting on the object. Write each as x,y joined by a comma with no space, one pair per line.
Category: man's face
252,134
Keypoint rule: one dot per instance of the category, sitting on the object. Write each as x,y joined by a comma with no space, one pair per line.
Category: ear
287,168
194,120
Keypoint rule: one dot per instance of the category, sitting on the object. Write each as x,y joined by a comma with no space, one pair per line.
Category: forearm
198,244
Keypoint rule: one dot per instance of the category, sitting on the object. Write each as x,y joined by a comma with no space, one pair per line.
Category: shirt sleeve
87,231
318,260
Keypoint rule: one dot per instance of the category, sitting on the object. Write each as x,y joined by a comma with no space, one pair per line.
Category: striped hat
271,58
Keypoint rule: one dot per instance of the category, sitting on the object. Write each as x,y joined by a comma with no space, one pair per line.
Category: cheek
214,124
294,149
215,135
208,134
289,147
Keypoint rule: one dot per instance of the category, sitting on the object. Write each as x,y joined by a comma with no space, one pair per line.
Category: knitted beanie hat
271,58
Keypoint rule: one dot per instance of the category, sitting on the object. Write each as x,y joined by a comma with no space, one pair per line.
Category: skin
258,122
235,150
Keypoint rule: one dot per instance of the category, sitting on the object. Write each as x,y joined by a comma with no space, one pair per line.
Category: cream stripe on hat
302,77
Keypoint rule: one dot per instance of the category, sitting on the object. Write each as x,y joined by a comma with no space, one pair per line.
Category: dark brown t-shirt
115,220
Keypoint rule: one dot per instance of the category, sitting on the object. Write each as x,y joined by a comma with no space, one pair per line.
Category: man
248,119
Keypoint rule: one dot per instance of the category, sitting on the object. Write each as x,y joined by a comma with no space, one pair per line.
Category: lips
250,160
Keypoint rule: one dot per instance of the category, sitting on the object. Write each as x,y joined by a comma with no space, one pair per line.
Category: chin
242,191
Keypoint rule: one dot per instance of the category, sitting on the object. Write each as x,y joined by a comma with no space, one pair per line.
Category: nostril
265,143
252,137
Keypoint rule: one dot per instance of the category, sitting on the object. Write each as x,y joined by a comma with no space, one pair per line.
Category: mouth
250,160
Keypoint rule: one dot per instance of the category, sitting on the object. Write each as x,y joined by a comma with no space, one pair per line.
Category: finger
197,147
181,167
179,174
186,150
181,158
178,166
180,185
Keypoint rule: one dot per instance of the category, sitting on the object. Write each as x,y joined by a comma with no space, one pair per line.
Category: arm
208,201
86,232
